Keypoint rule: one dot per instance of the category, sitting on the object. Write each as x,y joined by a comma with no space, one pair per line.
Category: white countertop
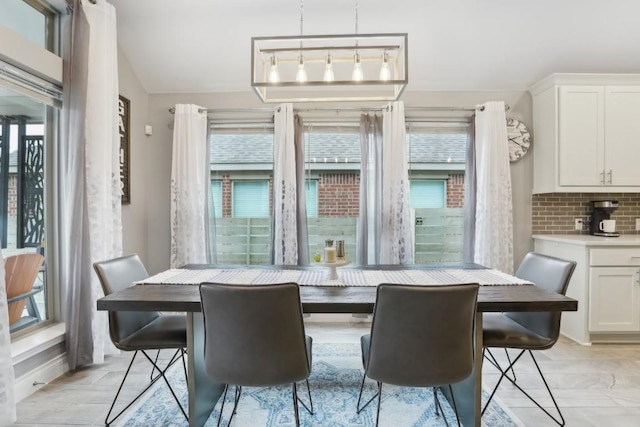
589,240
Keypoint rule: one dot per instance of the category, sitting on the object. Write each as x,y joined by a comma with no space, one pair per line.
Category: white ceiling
459,45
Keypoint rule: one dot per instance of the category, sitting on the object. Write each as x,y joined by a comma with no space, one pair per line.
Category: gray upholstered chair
140,331
254,337
421,336
528,331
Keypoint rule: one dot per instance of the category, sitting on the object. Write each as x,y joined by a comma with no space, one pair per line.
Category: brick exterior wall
554,213
338,194
455,191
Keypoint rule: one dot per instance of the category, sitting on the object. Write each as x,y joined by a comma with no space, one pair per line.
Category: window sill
29,345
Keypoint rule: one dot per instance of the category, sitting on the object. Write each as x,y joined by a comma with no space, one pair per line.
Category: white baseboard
35,379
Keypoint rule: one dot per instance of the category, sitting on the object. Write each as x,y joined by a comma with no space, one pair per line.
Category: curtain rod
336,109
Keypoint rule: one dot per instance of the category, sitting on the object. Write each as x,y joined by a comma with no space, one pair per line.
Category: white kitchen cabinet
606,283
586,133
614,299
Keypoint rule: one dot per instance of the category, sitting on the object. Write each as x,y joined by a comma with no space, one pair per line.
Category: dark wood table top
332,299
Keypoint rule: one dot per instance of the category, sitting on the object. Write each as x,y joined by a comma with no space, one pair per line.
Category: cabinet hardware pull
635,257
610,176
602,177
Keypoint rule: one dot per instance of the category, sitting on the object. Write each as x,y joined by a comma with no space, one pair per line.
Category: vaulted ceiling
454,45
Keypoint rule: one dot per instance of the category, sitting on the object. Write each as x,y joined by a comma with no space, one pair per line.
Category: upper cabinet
586,133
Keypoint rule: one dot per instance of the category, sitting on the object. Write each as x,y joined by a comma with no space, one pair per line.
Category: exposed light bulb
385,71
328,70
274,75
357,75
301,75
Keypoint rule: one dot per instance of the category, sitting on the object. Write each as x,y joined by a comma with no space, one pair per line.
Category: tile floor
595,386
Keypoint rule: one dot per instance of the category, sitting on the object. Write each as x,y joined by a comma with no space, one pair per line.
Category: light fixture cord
301,20
356,7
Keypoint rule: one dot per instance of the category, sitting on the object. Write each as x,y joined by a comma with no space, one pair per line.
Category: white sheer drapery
396,235
385,234
7,393
289,208
89,217
493,246
368,232
189,186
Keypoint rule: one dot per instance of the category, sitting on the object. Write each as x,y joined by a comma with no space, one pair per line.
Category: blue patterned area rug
335,381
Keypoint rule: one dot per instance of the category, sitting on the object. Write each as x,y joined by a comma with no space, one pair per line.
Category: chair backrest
20,274
551,274
423,336
254,334
117,274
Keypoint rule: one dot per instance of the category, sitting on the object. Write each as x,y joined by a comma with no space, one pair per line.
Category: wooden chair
20,274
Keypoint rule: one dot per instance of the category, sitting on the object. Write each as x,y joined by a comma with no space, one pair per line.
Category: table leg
468,392
203,392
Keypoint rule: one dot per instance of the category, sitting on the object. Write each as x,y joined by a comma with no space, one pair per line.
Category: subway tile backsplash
554,213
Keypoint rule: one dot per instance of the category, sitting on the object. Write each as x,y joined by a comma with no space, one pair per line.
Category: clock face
519,139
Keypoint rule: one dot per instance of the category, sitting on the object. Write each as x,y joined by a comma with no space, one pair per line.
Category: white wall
157,158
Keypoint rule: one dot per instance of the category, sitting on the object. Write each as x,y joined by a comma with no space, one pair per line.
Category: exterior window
22,187
332,161
31,19
251,199
311,195
427,194
216,194
437,158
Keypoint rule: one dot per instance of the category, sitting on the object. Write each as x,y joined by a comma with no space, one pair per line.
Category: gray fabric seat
254,336
140,331
421,336
532,330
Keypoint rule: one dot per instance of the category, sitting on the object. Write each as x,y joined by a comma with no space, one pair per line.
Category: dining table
354,291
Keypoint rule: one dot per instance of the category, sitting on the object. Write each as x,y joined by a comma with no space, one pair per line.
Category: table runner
346,277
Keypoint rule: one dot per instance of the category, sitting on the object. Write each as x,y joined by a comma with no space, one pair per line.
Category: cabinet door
581,136
614,294
622,135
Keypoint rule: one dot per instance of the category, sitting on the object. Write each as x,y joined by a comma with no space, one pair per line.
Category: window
22,191
241,167
437,156
31,19
427,194
332,165
216,194
311,196
250,199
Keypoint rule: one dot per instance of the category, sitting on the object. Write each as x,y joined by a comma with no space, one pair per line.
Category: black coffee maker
601,210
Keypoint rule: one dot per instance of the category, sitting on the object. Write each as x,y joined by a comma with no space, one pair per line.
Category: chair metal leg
294,393
310,407
162,374
439,406
153,380
236,400
455,408
561,421
224,399
358,408
379,402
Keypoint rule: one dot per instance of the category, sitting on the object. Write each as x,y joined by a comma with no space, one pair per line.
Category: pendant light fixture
274,75
385,71
329,75
332,68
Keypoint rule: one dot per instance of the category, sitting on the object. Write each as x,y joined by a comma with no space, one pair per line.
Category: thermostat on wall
148,130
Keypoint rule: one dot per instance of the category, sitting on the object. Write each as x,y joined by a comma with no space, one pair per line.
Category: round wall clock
519,139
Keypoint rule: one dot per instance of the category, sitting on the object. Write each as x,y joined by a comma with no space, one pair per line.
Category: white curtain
385,234
189,186
493,246
7,396
89,227
285,188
